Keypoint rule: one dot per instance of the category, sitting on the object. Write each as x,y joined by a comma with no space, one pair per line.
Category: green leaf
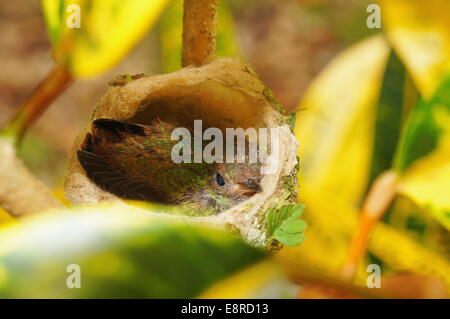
419,31
388,117
292,120
286,226
424,129
53,12
122,252
423,159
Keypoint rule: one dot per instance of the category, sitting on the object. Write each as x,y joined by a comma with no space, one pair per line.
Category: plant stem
378,200
56,81
304,274
21,193
199,32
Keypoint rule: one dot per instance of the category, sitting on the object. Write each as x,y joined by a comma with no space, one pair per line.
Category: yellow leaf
336,128
334,221
427,181
60,195
256,281
330,225
108,31
419,31
5,217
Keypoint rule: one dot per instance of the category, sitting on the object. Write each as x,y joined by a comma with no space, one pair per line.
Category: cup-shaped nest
224,94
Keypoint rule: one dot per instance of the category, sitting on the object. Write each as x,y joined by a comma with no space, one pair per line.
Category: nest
224,93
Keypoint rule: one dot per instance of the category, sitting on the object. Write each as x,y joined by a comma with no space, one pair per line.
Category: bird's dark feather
109,179
118,126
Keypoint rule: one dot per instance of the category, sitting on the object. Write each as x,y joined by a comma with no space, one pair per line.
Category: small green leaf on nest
292,120
286,226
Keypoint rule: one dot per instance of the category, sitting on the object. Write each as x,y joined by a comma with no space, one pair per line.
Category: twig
302,274
49,89
378,200
20,192
199,31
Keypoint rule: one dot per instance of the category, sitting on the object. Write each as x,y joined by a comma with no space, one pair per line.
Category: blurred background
312,32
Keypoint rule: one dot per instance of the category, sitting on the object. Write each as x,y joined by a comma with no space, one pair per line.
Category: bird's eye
220,179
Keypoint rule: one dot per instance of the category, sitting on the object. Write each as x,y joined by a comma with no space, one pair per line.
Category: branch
32,108
302,274
20,192
199,31
378,200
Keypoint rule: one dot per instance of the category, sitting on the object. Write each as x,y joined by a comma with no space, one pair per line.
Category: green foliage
424,154
388,117
363,119
292,120
423,130
121,253
286,226
349,135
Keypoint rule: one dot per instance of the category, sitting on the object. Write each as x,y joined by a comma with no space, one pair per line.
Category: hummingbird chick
133,161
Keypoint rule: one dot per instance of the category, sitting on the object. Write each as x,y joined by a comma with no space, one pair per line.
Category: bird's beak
248,189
